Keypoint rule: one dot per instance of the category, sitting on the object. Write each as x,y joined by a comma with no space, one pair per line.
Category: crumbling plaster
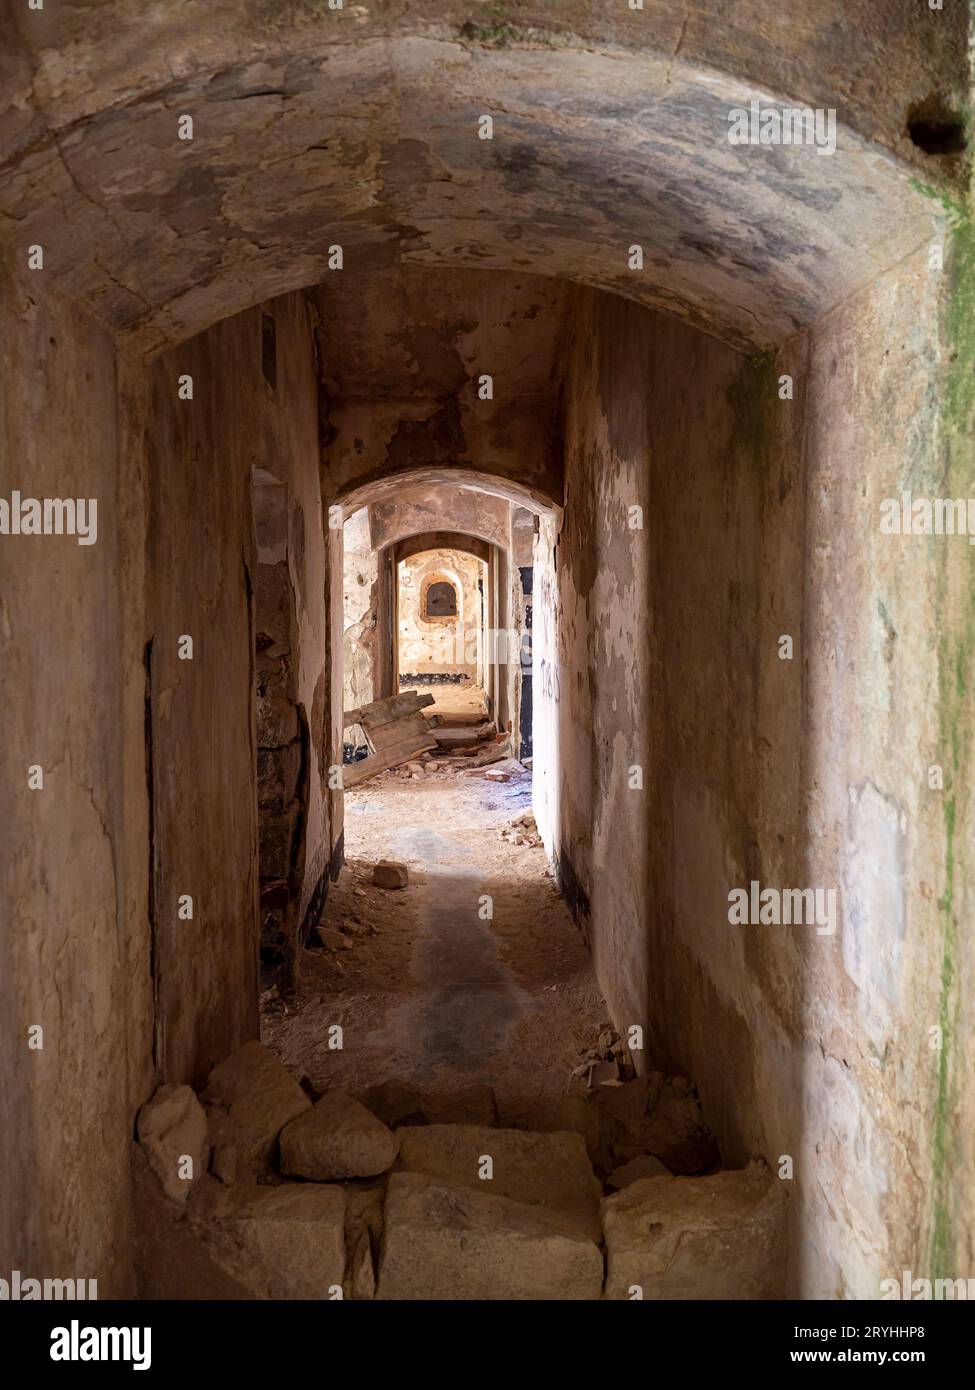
761,519
441,507
452,646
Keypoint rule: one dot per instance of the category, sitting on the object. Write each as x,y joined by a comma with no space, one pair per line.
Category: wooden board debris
395,729
459,736
490,753
392,756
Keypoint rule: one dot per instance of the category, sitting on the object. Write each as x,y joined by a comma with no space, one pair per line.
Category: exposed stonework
172,1129
337,1138
721,1237
448,1241
249,1099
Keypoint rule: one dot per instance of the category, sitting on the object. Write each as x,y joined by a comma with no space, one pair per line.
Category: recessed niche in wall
440,600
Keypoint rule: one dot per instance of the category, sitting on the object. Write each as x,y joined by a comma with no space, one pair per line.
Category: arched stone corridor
297,300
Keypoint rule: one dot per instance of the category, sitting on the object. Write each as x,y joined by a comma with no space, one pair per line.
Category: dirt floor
462,698
425,987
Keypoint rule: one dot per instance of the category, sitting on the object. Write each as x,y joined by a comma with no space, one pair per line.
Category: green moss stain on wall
956,650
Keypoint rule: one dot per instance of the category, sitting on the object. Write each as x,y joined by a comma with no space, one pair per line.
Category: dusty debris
491,753
608,1063
373,987
522,830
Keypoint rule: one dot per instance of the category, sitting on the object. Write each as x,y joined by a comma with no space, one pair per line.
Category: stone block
388,873
549,1113
275,836
337,1138
716,1237
638,1168
285,1242
249,1099
277,776
172,1129
448,1241
549,1170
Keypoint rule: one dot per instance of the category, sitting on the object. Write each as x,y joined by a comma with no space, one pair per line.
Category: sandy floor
452,699
429,991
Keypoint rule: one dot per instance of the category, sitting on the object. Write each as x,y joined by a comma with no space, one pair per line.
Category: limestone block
388,873
638,1168
448,1241
549,1170
337,1138
281,1242
716,1237
250,1097
547,1113
172,1129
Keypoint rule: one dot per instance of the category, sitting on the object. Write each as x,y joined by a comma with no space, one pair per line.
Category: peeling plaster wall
74,949
593,681
291,626
439,507
522,525
761,519
889,665
443,647
547,692
203,563
360,616
403,352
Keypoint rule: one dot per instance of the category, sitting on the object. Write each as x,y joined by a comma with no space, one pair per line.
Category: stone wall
664,665
74,947
254,206
205,573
